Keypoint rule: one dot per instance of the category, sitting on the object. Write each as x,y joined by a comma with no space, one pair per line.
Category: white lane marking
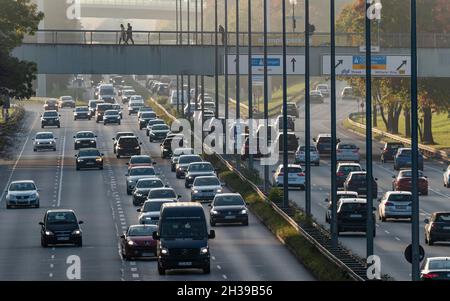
50,275
219,267
135,275
387,232
62,168
397,238
52,266
53,256
133,269
213,257
224,276
440,193
17,161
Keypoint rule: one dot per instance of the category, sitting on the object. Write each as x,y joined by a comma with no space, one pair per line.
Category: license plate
355,215
292,179
147,254
185,264
400,207
63,238
446,228
230,217
90,163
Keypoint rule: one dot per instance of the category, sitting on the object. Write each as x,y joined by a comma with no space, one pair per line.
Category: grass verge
10,127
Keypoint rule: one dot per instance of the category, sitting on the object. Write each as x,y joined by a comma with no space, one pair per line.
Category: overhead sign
382,65
295,64
373,48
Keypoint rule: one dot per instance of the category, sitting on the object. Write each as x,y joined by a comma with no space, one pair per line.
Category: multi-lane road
99,199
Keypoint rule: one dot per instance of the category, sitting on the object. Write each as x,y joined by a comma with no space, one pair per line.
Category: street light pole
216,78
238,92
250,83
266,93
202,78
226,84
307,115
294,22
285,121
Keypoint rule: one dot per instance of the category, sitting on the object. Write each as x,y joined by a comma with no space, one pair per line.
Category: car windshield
146,230
129,92
358,177
141,160
400,198
408,174
50,102
153,206
322,87
150,183
150,171
85,135
227,200
22,186
93,104
311,149
201,167
405,153
107,91
148,115
184,228
66,98
439,265
162,194
292,169
61,218
50,114
325,140
347,146
89,153
132,142
160,128
123,135
182,151
154,122
443,217
349,168
44,136
81,109
111,113
353,207
207,182
189,159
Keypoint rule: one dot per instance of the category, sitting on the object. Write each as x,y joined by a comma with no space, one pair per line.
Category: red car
402,182
141,160
138,242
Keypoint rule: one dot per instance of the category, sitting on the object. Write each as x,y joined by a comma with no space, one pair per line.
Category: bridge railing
111,37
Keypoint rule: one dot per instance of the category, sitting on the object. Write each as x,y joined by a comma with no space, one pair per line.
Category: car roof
60,210
88,149
438,258
207,177
290,165
39,133
50,111
389,193
347,192
228,194
160,200
85,132
22,181
142,167
349,164
353,200
182,204
126,137
324,135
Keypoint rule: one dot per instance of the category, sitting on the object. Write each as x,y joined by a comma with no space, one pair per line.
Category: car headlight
148,218
10,197
164,251
80,160
130,243
204,250
219,190
195,191
99,159
92,141
76,232
243,211
78,142
130,181
214,212
33,196
48,233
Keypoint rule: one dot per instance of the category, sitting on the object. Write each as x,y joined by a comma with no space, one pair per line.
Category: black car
81,113
145,118
356,181
93,106
85,139
228,208
171,140
118,135
60,227
323,143
389,151
142,188
89,158
159,132
343,170
50,118
111,116
100,111
437,228
128,146
292,109
292,141
290,123
352,216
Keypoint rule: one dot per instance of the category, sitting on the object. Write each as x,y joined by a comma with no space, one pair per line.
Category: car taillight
389,204
340,174
430,275
355,151
302,174
433,226
280,174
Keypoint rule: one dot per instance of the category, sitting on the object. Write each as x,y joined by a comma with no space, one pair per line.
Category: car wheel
118,156
8,206
128,191
426,240
101,168
54,149
78,168
207,270
80,244
186,185
212,223
119,122
151,140
430,242
161,270
43,243
374,232
148,134
177,176
59,126
245,223
37,205
425,193
382,218
34,150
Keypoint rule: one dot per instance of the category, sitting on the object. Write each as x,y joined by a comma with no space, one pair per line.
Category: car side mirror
113,139
156,236
122,236
393,177
209,205
376,179
80,222
273,171
379,200
140,143
212,234
74,137
41,223
374,208
167,185
76,156
426,221
154,163
179,196
127,163
138,210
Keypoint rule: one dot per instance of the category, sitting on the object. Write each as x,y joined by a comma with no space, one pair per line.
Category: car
207,114
228,208
151,123
291,123
183,163
189,110
124,88
50,118
93,106
292,142
44,140
300,155
118,135
209,106
389,151
403,159
66,101
205,188
183,238
292,109
51,104
296,176
343,170
316,96
163,193
136,102
111,116
435,268
198,169
352,216
402,182
106,93
81,112
84,139
175,141
61,226
150,211
265,133
177,97
128,146
348,93
323,143
356,181
89,158
158,132
136,173
117,80
22,194
100,111
140,160
347,152
437,228
340,195
145,118
323,88
142,188
163,90
176,156
447,177
138,242
117,107
395,205
144,110
126,94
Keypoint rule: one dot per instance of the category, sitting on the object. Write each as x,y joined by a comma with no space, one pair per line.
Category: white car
436,268
347,152
164,193
395,205
150,211
300,155
296,176
447,177
205,188
135,104
22,193
44,140
127,94
323,88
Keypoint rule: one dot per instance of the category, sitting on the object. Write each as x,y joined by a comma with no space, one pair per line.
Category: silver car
300,155
22,193
395,205
296,176
150,211
136,173
183,164
347,152
176,155
447,177
44,140
205,188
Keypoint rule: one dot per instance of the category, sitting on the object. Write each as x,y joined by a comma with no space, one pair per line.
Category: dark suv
128,146
342,171
389,150
356,181
171,140
352,216
101,109
118,135
323,143
60,227
50,118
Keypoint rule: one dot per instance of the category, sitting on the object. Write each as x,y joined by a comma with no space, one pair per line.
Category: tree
17,19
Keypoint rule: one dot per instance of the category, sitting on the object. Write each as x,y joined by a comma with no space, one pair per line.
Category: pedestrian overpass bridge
188,53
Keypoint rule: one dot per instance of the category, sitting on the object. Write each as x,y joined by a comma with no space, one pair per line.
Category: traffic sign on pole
296,64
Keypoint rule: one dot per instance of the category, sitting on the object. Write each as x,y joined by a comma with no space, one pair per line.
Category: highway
99,199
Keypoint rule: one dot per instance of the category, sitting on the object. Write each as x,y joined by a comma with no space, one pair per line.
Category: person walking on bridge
130,33
122,35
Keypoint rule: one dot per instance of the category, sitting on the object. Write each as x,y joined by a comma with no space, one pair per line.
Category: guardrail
425,149
207,38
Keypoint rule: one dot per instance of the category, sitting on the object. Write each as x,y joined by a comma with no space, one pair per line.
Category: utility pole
285,121
238,92
307,115
266,93
250,84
